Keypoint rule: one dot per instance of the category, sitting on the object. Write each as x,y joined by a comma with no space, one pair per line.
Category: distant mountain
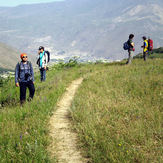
9,56
88,28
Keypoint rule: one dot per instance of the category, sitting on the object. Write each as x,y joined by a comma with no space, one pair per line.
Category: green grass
118,112
155,53
151,56
24,131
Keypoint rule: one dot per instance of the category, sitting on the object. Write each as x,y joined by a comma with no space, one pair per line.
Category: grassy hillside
8,56
116,113
155,53
24,131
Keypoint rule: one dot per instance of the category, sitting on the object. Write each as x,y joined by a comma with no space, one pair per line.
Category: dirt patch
64,146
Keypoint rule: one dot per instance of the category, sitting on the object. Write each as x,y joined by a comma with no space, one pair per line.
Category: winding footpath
64,146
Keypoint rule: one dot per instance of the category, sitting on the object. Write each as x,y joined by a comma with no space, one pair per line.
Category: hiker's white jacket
43,59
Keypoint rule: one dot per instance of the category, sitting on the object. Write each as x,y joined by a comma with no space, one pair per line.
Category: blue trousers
42,74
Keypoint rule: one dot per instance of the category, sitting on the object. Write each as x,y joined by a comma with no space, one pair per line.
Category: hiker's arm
17,75
46,61
145,45
32,73
132,44
37,58
38,54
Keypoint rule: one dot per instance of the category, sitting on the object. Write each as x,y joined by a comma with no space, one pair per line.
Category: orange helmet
22,55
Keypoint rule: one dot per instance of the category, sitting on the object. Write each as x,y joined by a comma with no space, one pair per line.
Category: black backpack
48,54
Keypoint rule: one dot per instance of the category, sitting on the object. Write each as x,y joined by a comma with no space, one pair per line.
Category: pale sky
13,3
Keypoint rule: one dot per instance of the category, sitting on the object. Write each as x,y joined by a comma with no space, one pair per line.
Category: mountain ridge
85,28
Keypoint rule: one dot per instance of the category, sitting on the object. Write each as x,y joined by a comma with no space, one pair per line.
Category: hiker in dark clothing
24,77
131,48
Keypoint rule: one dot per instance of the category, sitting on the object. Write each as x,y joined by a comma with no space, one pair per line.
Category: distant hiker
24,77
145,48
42,61
131,48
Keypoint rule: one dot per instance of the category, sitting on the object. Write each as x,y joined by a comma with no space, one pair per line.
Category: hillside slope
9,56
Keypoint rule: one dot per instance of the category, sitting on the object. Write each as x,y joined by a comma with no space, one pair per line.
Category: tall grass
24,134
118,112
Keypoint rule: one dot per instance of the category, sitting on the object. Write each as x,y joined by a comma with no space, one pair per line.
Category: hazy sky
12,3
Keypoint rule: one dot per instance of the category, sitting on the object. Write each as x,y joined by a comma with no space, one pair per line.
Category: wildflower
26,133
120,145
21,136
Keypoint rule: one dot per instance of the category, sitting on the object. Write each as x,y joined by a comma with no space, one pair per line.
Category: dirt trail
66,149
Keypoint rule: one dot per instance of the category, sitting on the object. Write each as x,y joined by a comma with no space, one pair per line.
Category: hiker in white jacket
42,62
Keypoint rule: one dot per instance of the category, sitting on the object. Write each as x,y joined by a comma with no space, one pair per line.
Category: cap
22,55
41,47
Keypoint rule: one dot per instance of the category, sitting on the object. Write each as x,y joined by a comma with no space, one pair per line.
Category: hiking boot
22,103
30,99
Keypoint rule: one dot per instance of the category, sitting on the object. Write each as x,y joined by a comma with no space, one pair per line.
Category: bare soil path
64,146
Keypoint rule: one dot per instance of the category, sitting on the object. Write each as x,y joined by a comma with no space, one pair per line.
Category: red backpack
150,44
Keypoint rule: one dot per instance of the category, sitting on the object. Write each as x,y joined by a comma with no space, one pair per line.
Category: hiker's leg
44,74
41,74
23,88
145,56
31,90
130,57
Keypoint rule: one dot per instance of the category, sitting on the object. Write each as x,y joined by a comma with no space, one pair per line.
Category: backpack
126,46
150,44
28,65
48,54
